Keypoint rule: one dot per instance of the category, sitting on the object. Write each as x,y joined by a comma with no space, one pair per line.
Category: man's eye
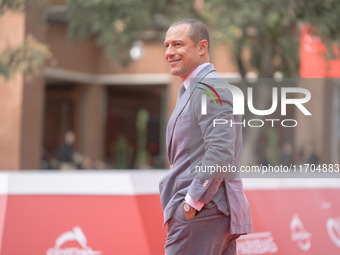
178,44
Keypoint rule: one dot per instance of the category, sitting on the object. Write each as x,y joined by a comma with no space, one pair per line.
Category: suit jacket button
205,183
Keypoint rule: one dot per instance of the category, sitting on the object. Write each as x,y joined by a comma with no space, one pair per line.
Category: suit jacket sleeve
219,144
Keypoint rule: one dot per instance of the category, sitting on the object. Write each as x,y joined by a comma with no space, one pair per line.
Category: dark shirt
66,153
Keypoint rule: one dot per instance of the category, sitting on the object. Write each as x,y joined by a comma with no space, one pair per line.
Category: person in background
65,155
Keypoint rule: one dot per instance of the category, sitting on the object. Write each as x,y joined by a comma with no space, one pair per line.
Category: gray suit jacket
192,141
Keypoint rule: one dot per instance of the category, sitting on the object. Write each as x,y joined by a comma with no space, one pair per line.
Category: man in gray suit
206,212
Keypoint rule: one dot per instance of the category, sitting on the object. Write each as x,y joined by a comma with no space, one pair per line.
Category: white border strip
121,182
3,183
125,182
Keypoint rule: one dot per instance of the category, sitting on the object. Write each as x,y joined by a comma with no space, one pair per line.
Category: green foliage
267,28
141,125
122,153
27,58
270,29
116,24
14,5
325,16
17,5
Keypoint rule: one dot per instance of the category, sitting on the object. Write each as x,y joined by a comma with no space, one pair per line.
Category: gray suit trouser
208,233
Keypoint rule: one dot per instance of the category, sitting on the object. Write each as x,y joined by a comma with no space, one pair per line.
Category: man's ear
203,47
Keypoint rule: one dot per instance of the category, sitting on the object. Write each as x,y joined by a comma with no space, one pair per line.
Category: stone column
33,103
32,124
92,128
12,33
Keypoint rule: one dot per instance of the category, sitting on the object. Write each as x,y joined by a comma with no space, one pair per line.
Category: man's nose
170,51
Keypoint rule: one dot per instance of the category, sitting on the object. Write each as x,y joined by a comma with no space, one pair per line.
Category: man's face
181,53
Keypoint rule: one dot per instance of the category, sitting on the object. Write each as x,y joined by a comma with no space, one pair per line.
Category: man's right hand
188,211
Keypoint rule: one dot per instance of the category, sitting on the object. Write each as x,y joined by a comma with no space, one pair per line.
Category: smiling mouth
173,62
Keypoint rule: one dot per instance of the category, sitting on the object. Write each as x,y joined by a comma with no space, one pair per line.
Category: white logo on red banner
75,235
257,243
299,234
333,228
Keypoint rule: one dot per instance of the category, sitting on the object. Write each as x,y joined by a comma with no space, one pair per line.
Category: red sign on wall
313,63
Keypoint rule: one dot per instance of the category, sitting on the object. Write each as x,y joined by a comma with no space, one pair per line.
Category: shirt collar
193,74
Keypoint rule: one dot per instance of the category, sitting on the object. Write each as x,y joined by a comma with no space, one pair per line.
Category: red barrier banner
91,213
91,225
294,221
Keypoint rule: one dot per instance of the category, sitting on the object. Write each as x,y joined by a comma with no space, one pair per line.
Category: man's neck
193,74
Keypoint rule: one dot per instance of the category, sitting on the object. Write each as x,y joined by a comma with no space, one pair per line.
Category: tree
27,57
269,30
116,24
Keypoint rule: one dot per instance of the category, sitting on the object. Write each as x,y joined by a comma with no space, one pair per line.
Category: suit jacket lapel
180,107
173,119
